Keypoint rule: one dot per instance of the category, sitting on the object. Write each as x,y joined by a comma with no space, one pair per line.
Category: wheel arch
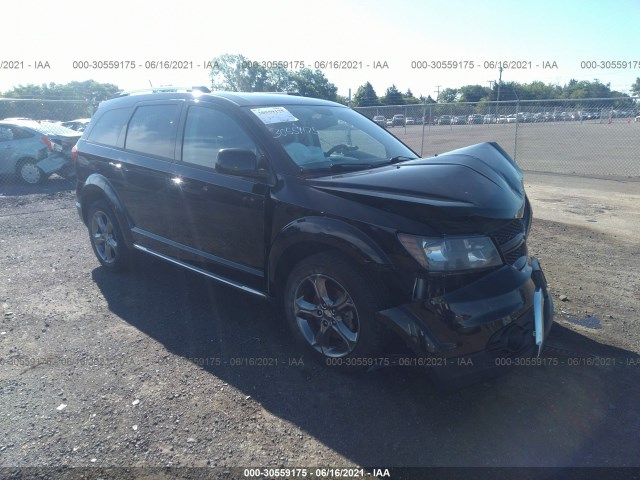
23,159
311,235
97,187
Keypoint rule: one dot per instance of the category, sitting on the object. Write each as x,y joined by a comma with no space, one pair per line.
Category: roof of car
44,126
238,98
21,122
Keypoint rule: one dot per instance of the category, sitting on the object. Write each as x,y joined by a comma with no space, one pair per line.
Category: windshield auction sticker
270,115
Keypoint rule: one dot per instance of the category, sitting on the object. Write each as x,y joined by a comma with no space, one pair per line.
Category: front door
219,218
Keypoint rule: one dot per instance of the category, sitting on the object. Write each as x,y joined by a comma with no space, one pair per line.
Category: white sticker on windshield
270,115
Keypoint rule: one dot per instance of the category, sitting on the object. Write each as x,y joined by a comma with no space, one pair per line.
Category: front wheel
330,307
106,237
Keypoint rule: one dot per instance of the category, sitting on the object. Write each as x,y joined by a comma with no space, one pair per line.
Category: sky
402,36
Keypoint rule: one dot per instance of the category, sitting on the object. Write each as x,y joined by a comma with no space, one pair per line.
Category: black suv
311,203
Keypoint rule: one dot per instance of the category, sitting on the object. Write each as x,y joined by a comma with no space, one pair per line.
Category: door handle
115,165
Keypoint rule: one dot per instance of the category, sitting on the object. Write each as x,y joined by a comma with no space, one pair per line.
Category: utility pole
499,85
491,82
438,92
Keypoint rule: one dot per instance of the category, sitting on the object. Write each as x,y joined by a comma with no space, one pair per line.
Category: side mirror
237,161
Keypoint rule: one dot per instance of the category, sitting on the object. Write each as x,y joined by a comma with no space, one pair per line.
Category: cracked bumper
477,325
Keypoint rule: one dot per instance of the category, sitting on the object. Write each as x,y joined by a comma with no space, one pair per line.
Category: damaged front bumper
504,315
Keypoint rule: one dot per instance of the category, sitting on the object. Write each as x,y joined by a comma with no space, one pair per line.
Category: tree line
366,96
58,101
235,72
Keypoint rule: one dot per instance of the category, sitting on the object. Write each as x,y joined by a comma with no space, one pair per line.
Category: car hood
480,181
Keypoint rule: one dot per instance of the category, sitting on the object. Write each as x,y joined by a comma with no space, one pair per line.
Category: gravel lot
151,368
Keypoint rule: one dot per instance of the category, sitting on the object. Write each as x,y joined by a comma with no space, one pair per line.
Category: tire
29,173
107,240
341,329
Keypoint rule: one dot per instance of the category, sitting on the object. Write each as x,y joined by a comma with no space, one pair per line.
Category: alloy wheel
326,315
103,237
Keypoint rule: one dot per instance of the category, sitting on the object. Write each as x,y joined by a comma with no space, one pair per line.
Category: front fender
331,232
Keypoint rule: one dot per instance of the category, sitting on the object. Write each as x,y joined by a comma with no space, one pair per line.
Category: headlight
452,254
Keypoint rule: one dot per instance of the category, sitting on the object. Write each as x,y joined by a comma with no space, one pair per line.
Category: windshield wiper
342,167
400,158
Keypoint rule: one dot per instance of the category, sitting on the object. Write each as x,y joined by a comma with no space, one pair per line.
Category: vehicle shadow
10,186
565,414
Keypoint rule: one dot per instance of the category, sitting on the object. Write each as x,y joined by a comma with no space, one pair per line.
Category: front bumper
504,315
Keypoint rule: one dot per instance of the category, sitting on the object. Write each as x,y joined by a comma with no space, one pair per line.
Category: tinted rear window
152,130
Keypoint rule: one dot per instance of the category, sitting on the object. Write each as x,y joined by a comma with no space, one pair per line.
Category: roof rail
201,88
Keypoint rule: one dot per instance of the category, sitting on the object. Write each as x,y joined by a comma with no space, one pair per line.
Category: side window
207,131
19,133
5,134
110,127
152,130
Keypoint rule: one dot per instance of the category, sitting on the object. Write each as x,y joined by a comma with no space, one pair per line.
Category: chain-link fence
45,109
583,137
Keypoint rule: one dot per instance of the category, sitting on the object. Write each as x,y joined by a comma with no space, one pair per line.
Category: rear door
134,149
6,150
17,143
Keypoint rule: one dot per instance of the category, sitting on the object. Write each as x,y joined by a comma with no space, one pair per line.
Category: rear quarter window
110,128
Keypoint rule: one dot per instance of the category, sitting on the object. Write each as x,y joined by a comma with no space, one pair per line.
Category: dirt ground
162,368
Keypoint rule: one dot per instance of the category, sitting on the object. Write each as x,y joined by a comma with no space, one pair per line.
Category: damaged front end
503,315
478,299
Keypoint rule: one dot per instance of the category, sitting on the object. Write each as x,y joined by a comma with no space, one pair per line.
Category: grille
507,232
512,255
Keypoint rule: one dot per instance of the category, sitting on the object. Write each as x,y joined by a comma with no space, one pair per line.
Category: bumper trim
538,309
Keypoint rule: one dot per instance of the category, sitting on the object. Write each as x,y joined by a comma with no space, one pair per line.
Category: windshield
319,138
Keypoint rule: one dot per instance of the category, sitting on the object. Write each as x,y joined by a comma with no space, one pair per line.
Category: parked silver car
34,150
